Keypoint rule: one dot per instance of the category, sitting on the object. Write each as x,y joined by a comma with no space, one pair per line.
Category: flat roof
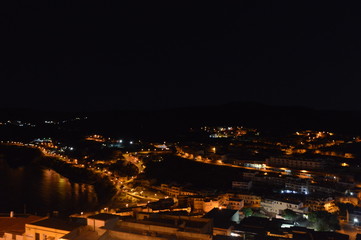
281,199
103,216
56,223
221,218
16,225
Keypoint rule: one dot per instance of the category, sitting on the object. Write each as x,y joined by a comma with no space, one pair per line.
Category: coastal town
228,182
176,120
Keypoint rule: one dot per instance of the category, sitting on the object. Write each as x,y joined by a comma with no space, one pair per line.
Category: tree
344,207
288,214
323,221
247,212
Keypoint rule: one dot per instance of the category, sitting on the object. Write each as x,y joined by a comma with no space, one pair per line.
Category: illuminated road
120,183
282,171
348,229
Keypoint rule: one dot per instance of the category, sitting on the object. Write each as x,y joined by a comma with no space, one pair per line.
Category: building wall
235,204
209,205
298,187
355,218
9,236
277,207
153,236
94,223
134,230
130,236
296,163
44,233
250,200
241,185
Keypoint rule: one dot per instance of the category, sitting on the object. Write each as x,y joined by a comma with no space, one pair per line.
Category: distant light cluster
18,123
229,132
64,121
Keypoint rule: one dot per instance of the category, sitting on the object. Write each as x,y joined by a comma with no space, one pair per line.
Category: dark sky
155,55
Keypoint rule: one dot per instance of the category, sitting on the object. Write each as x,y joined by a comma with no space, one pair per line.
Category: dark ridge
172,123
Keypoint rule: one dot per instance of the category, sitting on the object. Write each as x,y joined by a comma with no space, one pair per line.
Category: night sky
160,55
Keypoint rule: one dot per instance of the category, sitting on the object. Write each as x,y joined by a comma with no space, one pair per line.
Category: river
38,190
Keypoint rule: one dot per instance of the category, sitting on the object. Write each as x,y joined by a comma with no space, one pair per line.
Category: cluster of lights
64,121
228,132
293,192
18,123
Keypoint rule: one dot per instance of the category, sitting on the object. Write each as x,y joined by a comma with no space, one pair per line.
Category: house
354,217
250,200
159,226
209,204
318,203
223,220
101,219
13,226
297,186
51,229
277,206
300,163
235,204
196,203
242,185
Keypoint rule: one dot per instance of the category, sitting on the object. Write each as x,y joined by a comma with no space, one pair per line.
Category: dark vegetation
324,221
124,169
103,187
20,156
17,156
183,171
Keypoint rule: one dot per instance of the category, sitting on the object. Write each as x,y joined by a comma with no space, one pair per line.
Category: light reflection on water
42,191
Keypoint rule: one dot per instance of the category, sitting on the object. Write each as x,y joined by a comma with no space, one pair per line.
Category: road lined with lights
119,183
266,169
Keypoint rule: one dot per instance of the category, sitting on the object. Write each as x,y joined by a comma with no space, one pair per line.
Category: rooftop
186,223
56,223
16,224
283,199
104,216
221,218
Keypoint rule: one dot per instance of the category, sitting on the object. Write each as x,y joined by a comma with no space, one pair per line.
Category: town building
223,220
210,204
318,203
242,185
354,217
235,204
299,163
101,220
277,206
51,229
175,191
301,187
250,200
159,226
12,226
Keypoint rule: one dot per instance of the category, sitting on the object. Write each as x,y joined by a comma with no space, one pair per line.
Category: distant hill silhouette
172,122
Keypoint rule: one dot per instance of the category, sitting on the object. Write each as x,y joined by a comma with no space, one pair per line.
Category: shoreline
103,187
